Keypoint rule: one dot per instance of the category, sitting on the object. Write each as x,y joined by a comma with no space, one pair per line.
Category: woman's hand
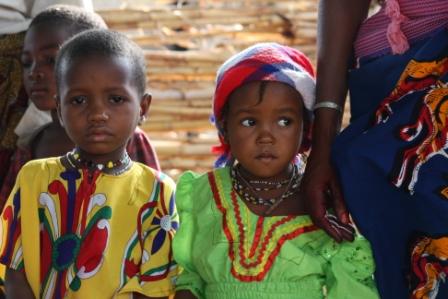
322,193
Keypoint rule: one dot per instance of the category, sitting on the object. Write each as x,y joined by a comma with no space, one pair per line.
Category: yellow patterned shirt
77,236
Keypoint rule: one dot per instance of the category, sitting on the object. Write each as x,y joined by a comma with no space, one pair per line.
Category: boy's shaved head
75,19
103,43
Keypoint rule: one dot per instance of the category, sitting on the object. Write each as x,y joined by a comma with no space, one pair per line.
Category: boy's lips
98,134
38,91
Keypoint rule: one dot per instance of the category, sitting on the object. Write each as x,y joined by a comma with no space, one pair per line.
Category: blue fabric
369,155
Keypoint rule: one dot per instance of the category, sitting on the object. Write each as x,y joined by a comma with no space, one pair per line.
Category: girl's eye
284,122
116,99
78,100
248,122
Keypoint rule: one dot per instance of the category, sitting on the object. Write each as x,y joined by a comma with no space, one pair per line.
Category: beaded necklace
268,185
112,167
248,192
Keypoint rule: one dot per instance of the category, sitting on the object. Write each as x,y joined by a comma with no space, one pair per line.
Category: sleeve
189,279
141,150
158,221
350,273
11,254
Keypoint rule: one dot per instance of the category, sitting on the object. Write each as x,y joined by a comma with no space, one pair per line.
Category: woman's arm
338,22
16,285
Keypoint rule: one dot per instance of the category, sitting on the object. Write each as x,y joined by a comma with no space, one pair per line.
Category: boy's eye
50,60
283,122
248,122
116,99
26,63
78,100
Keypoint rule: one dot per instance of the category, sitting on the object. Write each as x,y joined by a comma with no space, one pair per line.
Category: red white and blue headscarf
263,62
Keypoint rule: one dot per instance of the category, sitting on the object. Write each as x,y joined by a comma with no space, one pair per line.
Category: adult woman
391,161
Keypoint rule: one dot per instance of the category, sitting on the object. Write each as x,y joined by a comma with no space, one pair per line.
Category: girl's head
48,30
101,82
263,108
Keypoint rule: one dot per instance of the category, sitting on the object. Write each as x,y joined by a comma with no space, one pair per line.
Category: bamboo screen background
184,43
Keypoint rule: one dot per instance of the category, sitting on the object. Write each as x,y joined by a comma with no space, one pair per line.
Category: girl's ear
58,109
223,131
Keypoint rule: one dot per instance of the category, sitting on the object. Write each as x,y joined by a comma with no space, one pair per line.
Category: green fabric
309,266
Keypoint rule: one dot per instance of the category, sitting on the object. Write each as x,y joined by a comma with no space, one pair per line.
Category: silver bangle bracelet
328,104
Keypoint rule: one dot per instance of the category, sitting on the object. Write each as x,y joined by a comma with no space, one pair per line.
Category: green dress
228,252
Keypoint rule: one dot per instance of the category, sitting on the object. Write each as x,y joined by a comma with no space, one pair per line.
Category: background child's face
40,47
264,136
100,105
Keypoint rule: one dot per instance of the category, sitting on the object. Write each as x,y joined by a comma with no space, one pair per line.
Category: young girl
244,231
48,30
92,223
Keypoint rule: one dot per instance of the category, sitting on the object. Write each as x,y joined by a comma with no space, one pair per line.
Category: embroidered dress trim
252,264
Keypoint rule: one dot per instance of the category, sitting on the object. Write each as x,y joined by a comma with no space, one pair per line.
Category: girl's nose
265,135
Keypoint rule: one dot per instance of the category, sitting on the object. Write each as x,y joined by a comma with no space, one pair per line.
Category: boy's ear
144,104
58,109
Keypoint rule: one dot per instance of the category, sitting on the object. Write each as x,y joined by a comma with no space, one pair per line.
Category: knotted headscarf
263,62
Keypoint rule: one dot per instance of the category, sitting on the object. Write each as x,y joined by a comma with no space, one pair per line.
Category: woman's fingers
346,231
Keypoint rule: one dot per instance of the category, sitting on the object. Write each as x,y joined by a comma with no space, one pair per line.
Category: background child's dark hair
74,19
103,43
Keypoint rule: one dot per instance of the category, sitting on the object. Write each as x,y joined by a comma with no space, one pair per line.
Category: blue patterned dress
392,161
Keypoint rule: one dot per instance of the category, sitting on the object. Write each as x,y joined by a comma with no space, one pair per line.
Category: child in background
92,223
244,232
46,33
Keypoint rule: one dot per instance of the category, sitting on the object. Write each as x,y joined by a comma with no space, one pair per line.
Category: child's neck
268,197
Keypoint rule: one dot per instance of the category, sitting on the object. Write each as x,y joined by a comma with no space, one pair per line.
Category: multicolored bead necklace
112,167
249,193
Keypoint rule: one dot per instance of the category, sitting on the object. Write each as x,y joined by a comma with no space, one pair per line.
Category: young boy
47,32
92,223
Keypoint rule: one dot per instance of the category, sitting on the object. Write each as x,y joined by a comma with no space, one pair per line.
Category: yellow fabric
123,215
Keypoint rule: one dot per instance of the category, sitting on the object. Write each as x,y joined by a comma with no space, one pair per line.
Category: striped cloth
415,19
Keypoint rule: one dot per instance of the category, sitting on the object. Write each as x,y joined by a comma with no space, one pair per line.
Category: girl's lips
266,157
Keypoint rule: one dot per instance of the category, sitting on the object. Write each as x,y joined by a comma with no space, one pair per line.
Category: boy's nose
98,117
35,74
97,113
